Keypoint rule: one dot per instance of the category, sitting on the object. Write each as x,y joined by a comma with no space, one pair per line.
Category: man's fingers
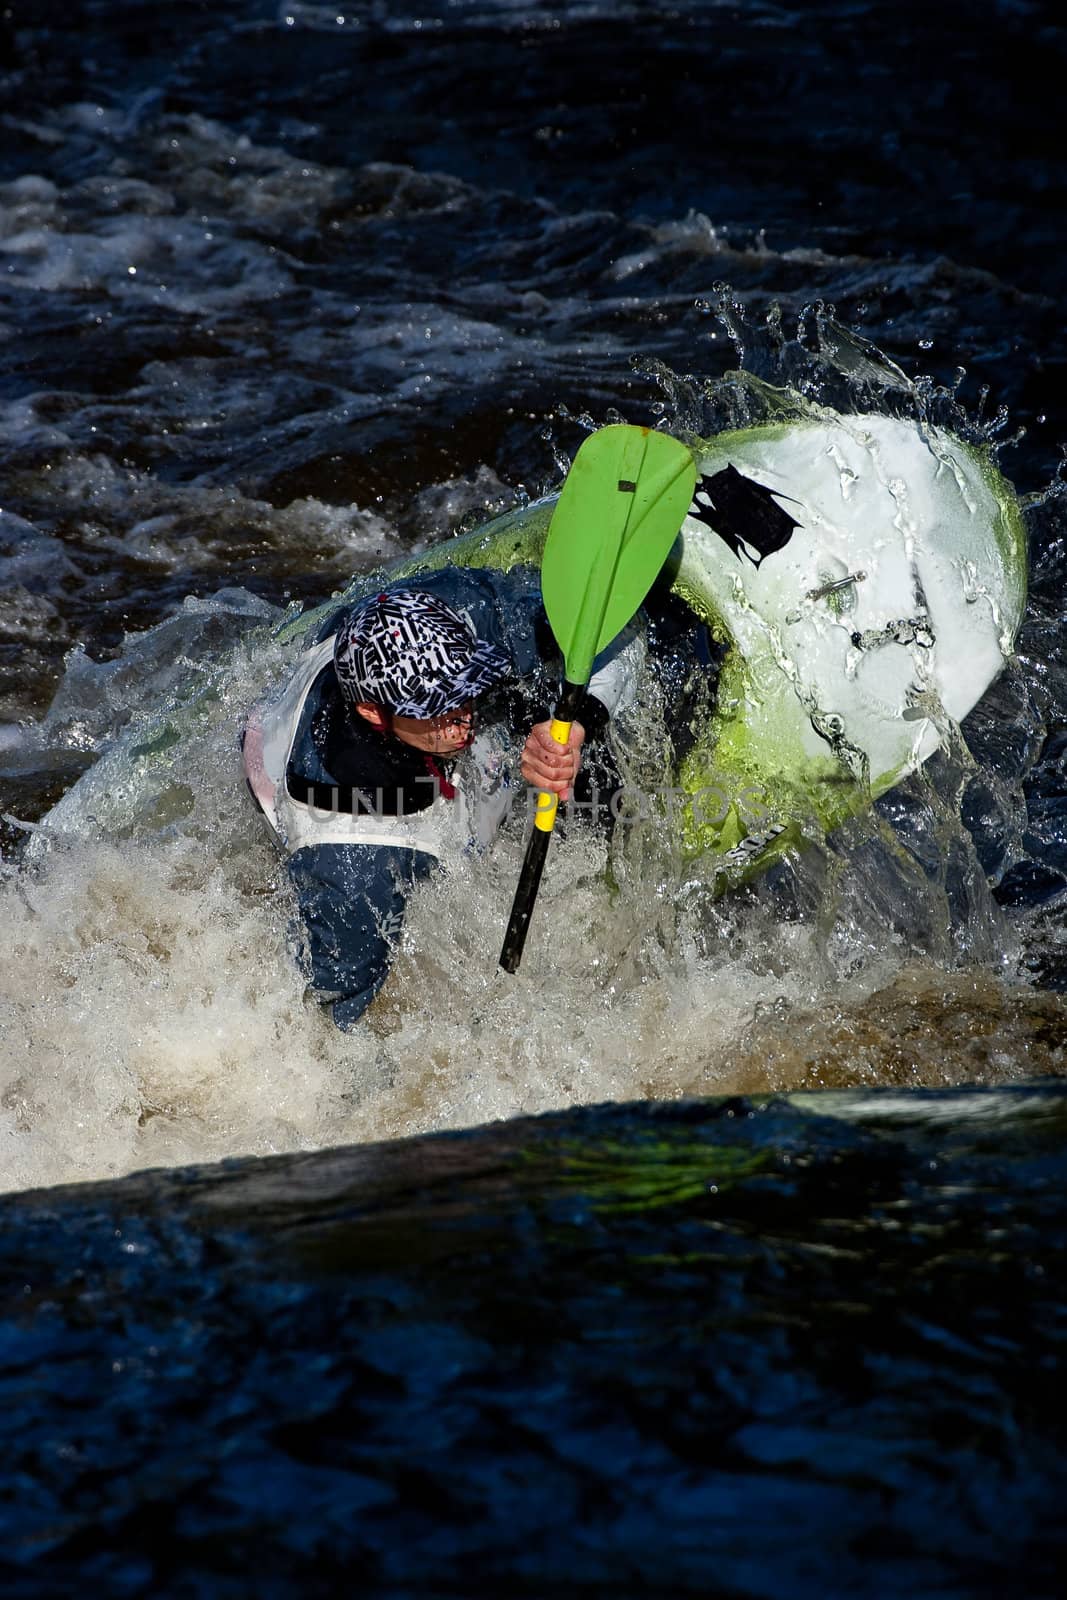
547,764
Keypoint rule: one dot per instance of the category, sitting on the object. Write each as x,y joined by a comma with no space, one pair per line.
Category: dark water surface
719,1349
286,291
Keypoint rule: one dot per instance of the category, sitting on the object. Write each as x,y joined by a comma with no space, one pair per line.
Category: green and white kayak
866,577
884,602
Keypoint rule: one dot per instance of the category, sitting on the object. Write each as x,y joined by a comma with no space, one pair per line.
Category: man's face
438,736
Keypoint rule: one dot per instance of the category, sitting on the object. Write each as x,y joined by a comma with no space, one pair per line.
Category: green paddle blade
618,514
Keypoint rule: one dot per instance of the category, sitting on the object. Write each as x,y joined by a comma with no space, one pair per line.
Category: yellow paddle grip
547,804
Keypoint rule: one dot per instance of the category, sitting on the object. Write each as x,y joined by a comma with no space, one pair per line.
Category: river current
759,1253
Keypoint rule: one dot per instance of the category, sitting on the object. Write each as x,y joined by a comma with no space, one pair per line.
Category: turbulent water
288,292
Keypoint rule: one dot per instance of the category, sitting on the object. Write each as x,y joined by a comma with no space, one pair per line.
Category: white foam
153,1012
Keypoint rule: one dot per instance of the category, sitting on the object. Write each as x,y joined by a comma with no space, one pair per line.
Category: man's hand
550,766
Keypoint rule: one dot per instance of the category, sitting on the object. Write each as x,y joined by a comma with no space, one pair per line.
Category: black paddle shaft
534,859
523,904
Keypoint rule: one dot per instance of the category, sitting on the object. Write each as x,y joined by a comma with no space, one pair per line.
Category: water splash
782,376
148,972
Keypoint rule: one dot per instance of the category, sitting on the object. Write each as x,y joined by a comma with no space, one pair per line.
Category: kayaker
398,731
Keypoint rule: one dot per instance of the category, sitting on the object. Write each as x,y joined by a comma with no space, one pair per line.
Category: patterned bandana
410,653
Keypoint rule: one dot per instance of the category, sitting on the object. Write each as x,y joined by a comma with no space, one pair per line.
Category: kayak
864,577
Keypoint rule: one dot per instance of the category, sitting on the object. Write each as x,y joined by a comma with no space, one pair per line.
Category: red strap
446,788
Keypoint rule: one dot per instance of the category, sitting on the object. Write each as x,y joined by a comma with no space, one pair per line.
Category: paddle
617,516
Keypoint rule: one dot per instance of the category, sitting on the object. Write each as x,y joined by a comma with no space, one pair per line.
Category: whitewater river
770,1298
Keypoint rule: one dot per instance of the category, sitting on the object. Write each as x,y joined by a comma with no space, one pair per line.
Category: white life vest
484,782
268,745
